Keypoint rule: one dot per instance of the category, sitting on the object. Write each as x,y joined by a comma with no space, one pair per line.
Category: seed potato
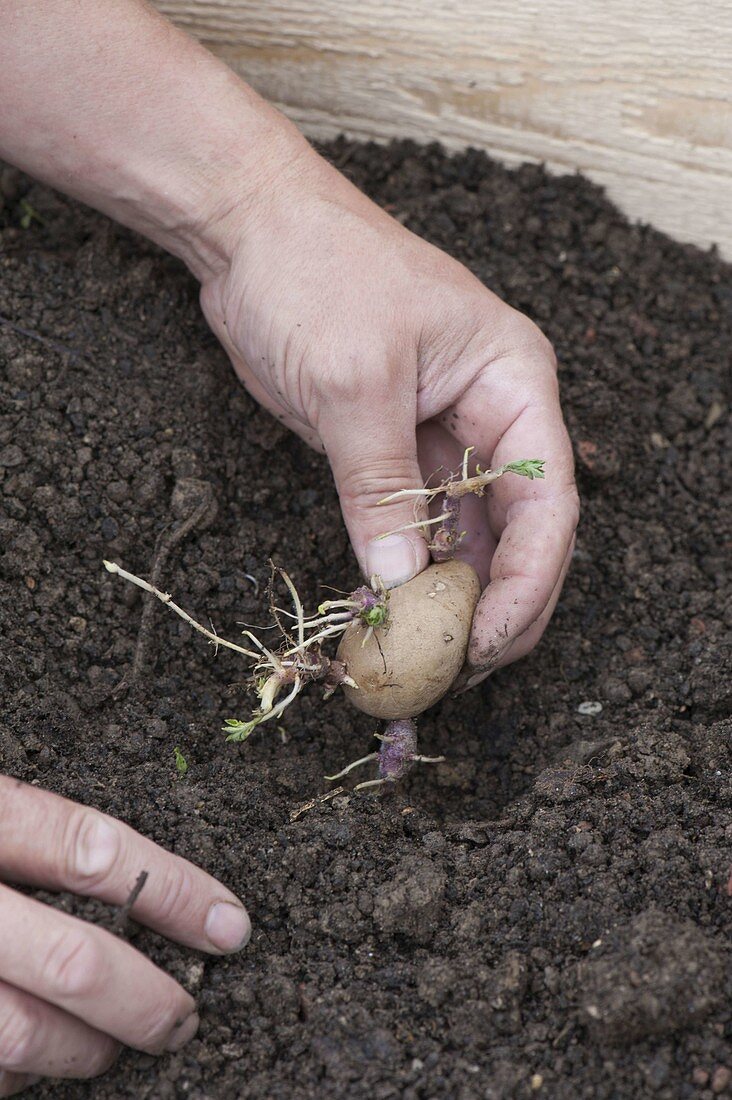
410,663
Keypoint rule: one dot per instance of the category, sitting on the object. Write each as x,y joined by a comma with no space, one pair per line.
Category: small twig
294,814
123,913
31,334
166,541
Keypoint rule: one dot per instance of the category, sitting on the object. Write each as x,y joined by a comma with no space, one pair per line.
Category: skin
76,992
376,348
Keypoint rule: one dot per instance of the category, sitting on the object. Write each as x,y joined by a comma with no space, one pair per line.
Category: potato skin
420,652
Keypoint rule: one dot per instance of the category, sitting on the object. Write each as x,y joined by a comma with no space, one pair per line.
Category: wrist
239,192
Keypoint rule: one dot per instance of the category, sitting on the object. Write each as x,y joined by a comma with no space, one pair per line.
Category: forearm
112,104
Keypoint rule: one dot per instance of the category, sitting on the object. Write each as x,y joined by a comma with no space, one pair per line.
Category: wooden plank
638,96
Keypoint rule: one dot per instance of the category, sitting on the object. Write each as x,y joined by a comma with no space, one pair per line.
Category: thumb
371,461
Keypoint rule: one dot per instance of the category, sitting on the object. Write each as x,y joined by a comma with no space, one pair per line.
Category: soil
547,913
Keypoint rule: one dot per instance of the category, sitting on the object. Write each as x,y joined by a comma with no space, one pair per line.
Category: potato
410,663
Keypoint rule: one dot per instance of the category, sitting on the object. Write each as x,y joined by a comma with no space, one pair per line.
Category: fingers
92,975
535,520
38,1039
526,568
372,448
49,841
522,644
13,1083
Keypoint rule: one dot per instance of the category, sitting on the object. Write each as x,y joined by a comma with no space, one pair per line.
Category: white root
165,598
373,783
278,708
297,603
349,767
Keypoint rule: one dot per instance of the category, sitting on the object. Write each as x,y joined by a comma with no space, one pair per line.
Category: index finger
46,840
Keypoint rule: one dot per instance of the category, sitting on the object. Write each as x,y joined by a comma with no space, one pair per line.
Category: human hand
368,342
391,357
70,992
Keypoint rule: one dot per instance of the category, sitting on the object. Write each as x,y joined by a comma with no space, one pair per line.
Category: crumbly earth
546,913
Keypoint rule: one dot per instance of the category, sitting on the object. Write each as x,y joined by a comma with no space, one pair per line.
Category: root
165,598
239,731
349,767
278,675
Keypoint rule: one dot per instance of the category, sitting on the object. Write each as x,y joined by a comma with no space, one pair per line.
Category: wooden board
638,96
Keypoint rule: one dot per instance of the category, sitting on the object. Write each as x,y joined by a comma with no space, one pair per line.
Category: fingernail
228,926
11,1083
468,680
394,559
182,1033
476,678
97,847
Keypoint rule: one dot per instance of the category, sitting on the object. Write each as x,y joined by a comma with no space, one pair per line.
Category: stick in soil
123,913
167,540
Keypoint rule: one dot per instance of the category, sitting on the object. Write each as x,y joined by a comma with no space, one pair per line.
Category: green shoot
29,215
181,764
237,730
529,467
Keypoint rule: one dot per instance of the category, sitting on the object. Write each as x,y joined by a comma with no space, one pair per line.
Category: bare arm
115,106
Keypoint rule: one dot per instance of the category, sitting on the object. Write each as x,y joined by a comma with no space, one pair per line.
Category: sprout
446,537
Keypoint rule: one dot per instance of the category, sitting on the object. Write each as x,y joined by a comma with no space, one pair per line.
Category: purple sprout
398,749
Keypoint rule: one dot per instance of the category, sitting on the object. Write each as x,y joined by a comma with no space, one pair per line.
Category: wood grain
638,96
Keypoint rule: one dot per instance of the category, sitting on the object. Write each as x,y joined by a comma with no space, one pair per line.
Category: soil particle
437,943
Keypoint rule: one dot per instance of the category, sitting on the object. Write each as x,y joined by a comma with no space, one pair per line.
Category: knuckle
534,339
74,966
91,846
176,892
525,340
19,1028
353,381
370,481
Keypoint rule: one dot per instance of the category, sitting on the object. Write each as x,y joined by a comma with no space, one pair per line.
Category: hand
370,343
392,358
70,992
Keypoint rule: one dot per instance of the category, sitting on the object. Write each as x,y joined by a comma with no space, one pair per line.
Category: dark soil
548,912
